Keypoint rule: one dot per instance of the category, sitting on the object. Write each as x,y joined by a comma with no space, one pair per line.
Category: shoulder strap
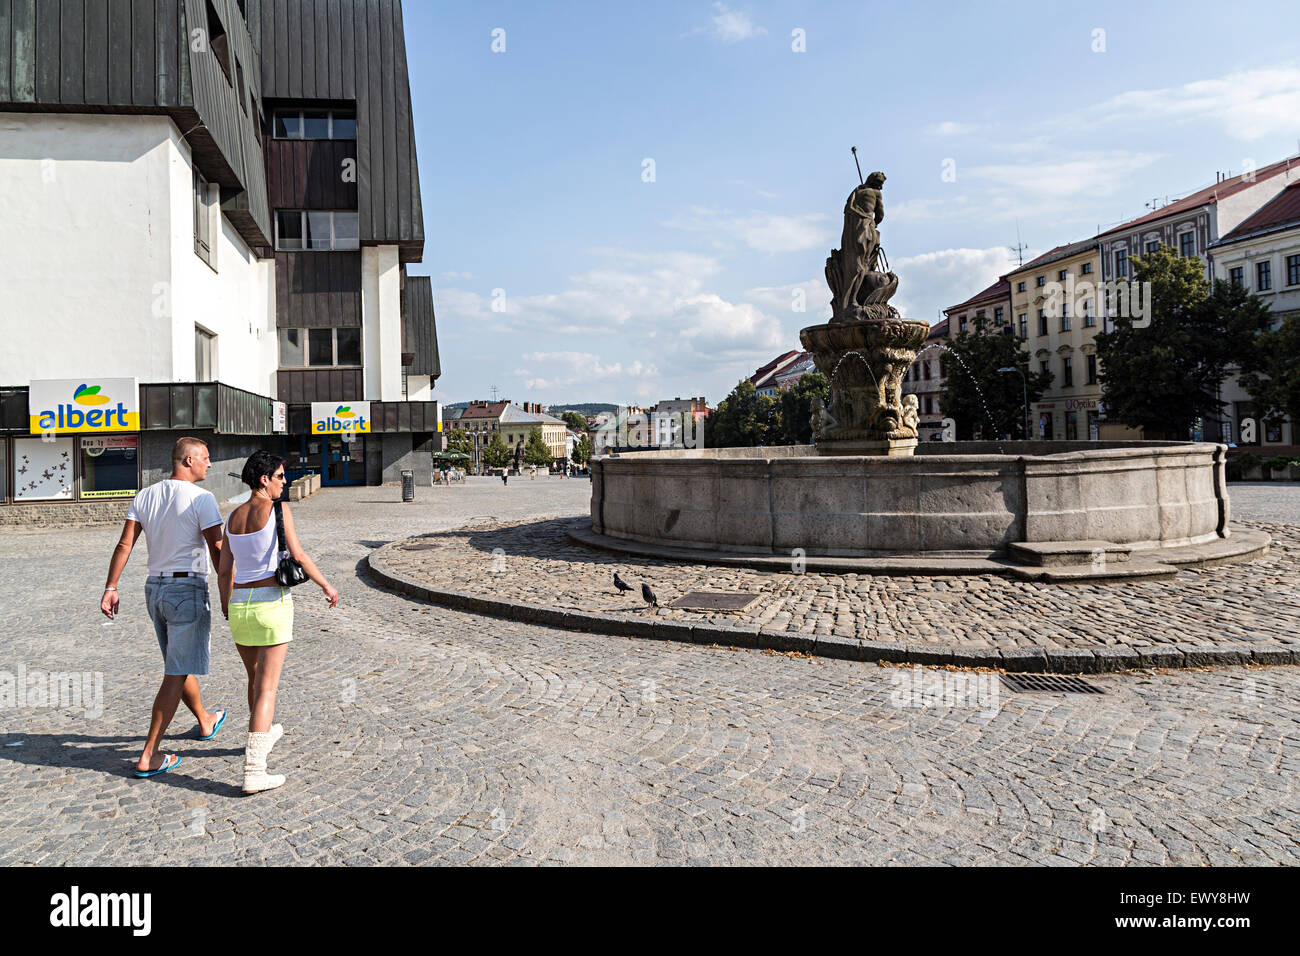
279,526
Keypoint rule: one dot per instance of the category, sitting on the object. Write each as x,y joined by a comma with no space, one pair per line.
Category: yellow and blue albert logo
82,414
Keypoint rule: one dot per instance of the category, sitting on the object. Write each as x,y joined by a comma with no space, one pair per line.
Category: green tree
1271,374
536,451
1164,372
743,419
459,440
797,404
976,396
576,422
582,450
496,454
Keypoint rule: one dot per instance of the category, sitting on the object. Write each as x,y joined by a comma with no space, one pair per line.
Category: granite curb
1062,660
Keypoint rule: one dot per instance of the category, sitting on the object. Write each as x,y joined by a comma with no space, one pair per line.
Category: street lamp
1024,382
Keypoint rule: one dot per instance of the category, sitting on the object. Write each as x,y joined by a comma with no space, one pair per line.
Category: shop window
110,466
1071,426
43,470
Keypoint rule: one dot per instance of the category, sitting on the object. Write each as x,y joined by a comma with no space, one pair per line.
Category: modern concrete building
1262,254
210,206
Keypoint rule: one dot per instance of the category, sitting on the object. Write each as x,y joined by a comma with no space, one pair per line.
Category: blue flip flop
163,769
216,727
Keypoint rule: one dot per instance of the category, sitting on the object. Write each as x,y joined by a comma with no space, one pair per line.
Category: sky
628,202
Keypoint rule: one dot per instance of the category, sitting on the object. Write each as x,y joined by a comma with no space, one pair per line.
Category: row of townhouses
1245,229
482,420
209,208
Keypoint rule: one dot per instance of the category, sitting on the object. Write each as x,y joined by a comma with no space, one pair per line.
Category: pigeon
649,595
620,583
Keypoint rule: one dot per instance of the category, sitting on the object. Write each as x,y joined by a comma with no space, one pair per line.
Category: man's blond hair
185,447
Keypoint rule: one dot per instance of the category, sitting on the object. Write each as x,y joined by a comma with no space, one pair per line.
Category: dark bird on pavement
620,583
649,595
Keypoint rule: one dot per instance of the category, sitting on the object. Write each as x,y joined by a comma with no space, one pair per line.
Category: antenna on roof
1019,248
493,391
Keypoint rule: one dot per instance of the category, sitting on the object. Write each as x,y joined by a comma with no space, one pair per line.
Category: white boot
255,776
275,733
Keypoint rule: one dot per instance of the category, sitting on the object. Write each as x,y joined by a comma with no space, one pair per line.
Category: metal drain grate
1049,684
715,601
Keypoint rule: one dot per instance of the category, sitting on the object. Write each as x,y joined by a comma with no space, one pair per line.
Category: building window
205,354
1060,276
1087,269
1040,281
1067,371
204,220
1153,246
963,324
1065,318
315,124
1293,270
925,370
1121,263
1263,276
998,315
1187,244
316,230
929,405
320,348
1020,287
1042,322
1042,367
218,42
1092,370
1237,276
1024,325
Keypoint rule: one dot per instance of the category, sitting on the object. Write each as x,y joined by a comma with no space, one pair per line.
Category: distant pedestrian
505,479
181,524
259,610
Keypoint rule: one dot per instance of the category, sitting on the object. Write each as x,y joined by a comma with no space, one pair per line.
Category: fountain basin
970,499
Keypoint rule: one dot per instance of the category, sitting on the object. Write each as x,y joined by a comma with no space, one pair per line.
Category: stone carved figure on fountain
911,413
858,272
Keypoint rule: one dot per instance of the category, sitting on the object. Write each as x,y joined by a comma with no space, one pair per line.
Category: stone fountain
867,347
868,498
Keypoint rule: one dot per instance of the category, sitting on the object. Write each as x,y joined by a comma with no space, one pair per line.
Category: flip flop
163,769
215,727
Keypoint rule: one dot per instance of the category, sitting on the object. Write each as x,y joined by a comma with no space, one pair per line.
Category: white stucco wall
98,255
381,322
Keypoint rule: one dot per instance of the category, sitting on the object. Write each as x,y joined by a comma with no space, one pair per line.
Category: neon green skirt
261,617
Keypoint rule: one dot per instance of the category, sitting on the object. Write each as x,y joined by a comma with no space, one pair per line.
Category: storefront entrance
345,461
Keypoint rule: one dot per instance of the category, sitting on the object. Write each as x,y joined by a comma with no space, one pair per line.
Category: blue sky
611,288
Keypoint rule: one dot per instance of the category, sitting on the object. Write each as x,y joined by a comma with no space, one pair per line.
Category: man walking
182,527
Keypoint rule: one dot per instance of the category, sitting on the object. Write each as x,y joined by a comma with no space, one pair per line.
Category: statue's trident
861,181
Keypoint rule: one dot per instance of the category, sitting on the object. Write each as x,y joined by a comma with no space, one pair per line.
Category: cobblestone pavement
420,735
534,562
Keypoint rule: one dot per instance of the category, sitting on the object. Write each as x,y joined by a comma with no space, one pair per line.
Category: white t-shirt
174,515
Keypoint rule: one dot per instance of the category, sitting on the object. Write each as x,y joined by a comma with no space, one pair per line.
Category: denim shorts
182,619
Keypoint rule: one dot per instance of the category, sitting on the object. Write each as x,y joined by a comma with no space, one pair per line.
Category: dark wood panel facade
352,50
298,386
139,56
318,290
419,331
309,174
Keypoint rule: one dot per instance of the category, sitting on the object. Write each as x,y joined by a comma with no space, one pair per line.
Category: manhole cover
1049,684
714,601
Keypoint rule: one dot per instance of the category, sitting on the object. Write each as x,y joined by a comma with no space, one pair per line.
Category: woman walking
259,610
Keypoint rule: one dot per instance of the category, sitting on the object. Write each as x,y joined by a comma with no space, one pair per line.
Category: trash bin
408,485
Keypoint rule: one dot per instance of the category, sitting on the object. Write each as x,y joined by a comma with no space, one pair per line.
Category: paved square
420,735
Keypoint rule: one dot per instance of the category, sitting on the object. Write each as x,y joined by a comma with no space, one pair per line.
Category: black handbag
289,572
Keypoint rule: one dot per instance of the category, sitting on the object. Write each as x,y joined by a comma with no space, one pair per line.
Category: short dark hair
261,463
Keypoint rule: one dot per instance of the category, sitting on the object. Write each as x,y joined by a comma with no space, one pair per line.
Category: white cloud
781,300
951,128
932,281
1094,173
761,231
1248,105
729,26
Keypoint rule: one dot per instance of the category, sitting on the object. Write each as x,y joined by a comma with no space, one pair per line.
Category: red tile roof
939,330
1282,210
490,410
1209,195
998,290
